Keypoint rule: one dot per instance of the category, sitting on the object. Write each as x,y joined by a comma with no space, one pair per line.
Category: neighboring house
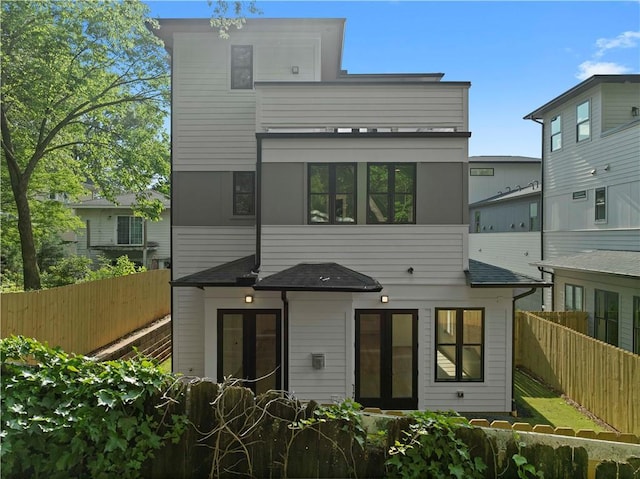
112,230
490,176
591,204
320,225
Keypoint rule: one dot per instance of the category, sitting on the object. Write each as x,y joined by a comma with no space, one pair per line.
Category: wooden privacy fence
602,378
83,317
576,320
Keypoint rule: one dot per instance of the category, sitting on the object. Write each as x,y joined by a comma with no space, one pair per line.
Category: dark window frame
333,194
572,306
237,194
131,219
391,193
600,205
234,67
557,135
586,121
608,297
459,345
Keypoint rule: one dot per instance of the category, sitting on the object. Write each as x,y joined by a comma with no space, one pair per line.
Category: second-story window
601,205
556,133
244,196
583,122
391,193
129,230
332,193
241,67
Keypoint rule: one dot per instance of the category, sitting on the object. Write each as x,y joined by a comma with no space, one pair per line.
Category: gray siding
504,175
617,102
284,193
442,190
501,217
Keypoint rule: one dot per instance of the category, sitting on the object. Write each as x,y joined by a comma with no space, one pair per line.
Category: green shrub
69,270
122,267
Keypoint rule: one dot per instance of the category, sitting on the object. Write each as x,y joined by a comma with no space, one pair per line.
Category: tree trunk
30,268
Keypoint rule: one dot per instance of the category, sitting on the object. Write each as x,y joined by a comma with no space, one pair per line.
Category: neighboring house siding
502,217
512,251
505,174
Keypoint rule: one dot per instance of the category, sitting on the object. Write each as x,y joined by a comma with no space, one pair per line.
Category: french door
249,347
387,358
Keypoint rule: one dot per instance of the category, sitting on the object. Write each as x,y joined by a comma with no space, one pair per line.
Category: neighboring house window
244,193
476,220
534,221
241,67
579,195
601,204
606,316
130,230
636,324
391,192
573,298
459,344
583,122
556,133
481,172
332,193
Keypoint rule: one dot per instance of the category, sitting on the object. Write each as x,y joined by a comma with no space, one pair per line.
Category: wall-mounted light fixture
295,69
607,167
384,298
592,172
248,298
410,270
635,111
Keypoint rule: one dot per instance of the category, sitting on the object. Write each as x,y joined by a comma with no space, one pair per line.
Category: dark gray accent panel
283,194
205,198
442,194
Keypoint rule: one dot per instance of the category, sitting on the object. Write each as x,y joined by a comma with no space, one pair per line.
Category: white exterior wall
512,251
504,175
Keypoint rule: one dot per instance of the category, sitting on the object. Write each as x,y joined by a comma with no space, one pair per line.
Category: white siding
360,105
504,175
572,242
513,251
436,253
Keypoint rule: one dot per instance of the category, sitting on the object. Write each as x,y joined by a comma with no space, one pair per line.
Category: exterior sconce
384,298
317,360
607,167
635,111
248,299
592,172
295,70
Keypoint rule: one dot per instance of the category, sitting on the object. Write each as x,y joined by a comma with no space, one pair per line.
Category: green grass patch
165,366
541,405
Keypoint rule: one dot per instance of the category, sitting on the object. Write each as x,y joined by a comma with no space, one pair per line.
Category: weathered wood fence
83,317
602,378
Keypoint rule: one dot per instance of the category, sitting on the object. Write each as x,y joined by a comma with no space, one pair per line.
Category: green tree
84,91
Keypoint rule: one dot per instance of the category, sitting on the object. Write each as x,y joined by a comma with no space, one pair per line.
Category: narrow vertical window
573,298
556,133
241,67
583,121
606,316
601,205
332,193
459,344
476,221
244,193
391,192
534,221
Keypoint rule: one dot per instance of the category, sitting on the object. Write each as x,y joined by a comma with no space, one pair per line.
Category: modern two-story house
320,225
591,204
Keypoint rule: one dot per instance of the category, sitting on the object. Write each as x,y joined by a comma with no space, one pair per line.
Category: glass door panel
370,338
266,352
402,355
232,345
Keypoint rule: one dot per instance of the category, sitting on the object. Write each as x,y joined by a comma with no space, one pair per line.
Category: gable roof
484,275
125,200
235,273
619,263
319,277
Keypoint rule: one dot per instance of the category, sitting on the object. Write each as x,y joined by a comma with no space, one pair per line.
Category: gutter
285,340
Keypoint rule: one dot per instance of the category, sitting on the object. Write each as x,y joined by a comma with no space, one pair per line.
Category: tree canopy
84,98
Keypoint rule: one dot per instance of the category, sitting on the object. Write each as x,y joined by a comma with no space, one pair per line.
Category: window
583,123
244,193
459,344
573,298
241,67
579,195
476,221
636,324
391,191
606,316
601,204
481,171
534,220
556,133
332,188
130,230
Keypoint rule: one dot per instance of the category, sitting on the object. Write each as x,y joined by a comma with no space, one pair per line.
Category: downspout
513,349
553,287
256,268
541,189
285,341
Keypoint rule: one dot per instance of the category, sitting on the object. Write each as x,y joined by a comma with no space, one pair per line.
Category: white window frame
557,134
603,204
584,121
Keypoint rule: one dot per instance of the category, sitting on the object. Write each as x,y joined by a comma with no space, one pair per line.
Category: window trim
459,345
606,318
333,194
236,175
481,171
233,67
573,288
131,217
604,205
557,134
391,193
587,121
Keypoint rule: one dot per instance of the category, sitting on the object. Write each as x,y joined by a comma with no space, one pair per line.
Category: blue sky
517,55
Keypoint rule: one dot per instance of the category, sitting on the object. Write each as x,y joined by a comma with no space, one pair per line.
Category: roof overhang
237,273
617,263
483,275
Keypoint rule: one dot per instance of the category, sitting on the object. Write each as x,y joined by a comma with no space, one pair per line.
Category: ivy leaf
519,460
105,398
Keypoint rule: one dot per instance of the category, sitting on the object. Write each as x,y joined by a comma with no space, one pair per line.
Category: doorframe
386,366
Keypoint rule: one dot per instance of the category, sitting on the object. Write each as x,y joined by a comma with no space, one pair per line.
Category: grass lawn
537,404
166,365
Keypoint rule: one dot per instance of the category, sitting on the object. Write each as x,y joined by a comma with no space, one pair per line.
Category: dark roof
483,275
234,273
319,277
620,263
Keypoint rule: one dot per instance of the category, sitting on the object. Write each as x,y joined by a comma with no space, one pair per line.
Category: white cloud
589,68
624,40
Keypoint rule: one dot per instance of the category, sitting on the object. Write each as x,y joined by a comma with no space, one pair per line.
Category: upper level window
241,67
244,193
129,230
534,219
583,122
481,171
391,192
459,344
601,204
556,133
332,193
573,298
